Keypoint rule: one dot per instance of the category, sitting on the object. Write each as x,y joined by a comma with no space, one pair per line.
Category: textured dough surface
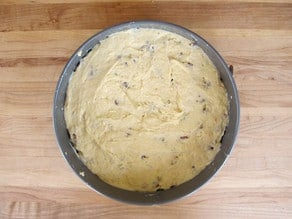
146,109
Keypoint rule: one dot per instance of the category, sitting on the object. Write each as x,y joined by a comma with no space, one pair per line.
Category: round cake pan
140,198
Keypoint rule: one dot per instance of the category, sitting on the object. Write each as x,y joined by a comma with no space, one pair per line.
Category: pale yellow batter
146,109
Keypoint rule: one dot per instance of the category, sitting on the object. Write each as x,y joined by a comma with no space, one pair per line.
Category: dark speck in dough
126,84
211,148
144,157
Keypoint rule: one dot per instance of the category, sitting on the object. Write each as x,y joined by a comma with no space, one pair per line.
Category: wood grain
38,37
103,14
9,2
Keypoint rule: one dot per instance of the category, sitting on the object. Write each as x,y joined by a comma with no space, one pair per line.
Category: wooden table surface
38,36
